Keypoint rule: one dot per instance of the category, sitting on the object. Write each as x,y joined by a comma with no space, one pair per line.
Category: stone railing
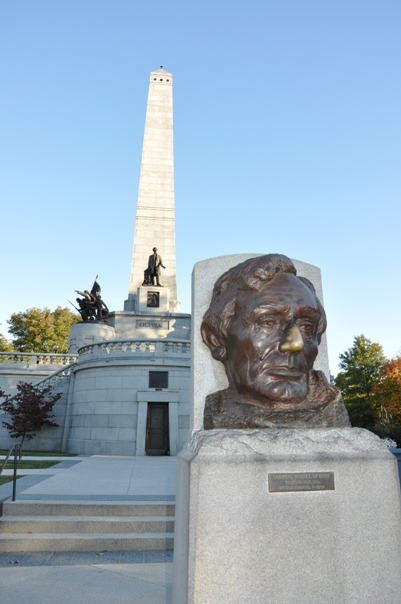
54,378
30,360
136,347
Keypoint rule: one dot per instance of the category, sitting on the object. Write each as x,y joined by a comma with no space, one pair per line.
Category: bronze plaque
153,299
301,481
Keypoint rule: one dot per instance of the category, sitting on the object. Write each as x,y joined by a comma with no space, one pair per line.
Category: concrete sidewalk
98,478
91,577
87,584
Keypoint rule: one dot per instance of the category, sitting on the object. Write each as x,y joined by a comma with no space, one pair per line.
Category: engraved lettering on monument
265,324
301,481
153,324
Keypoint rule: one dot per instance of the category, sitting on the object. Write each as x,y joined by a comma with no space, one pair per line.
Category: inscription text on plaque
301,481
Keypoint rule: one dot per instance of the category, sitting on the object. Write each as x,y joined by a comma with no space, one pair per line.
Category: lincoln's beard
267,390
277,405
266,384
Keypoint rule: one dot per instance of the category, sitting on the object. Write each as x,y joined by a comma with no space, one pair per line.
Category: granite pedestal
240,541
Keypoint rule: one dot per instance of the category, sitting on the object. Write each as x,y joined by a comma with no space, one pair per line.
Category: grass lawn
27,464
5,479
39,453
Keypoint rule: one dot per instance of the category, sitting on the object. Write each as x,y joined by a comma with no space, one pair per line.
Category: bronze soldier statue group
91,306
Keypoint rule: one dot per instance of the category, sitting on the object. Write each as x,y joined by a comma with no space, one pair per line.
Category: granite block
237,541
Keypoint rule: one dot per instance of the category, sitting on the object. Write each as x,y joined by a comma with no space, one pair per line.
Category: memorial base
308,516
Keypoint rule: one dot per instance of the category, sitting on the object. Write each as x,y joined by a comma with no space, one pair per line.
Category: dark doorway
157,441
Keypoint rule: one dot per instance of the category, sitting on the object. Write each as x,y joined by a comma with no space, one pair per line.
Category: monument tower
155,223
131,383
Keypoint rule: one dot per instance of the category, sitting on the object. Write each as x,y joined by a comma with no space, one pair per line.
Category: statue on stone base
91,306
152,273
264,324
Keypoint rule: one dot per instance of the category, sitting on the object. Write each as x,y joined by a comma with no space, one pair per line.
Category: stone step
93,542
90,508
86,524
43,526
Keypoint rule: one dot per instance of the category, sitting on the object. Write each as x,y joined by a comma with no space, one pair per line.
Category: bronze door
157,441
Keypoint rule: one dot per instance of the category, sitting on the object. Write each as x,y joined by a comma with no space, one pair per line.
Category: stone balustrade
30,360
137,346
61,375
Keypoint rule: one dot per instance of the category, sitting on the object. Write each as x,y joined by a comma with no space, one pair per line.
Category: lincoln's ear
213,343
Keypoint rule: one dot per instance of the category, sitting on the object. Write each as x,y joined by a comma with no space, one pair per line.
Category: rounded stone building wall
122,390
85,333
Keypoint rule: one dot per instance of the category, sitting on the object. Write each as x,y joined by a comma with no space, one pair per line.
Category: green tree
31,409
361,365
37,330
5,345
388,393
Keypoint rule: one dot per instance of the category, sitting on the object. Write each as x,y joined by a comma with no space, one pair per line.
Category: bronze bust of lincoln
265,324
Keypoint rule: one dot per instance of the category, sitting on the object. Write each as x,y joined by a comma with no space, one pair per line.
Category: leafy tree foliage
5,345
388,391
37,330
361,366
31,409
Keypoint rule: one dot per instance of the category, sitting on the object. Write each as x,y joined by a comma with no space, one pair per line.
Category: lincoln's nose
293,342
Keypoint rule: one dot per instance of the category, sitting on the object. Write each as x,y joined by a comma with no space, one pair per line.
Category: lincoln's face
272,342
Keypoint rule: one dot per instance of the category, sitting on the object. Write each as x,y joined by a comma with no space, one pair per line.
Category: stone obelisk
155,221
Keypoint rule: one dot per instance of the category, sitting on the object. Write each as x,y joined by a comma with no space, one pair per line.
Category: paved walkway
98,478
91,577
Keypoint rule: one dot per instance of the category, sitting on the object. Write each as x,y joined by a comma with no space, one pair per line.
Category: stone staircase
49,526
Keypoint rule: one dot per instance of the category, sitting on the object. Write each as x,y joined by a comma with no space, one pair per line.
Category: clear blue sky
287,139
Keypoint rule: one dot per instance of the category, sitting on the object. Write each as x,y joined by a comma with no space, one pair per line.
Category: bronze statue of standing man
152,273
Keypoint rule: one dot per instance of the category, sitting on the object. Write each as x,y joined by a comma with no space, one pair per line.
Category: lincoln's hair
250,276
